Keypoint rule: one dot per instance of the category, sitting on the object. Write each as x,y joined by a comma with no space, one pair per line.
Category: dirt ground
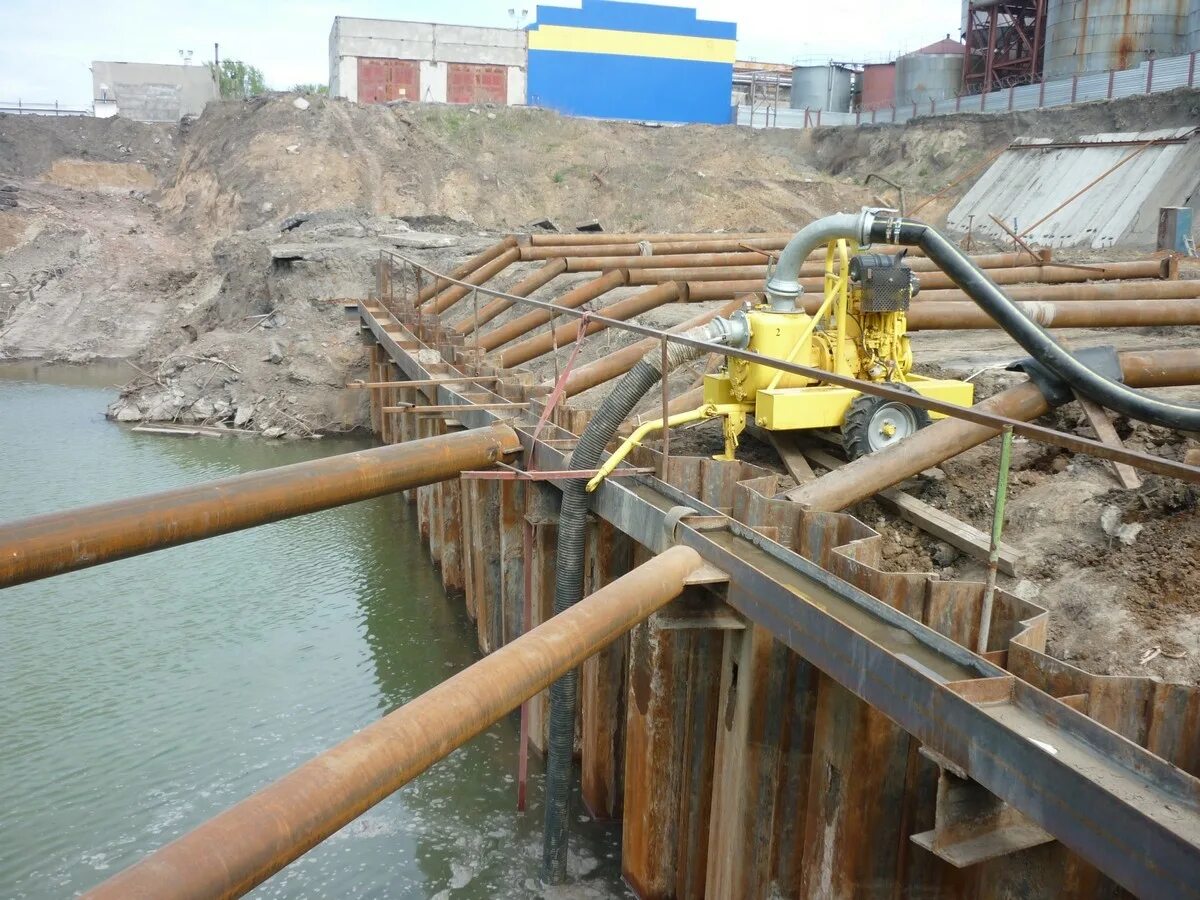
216,259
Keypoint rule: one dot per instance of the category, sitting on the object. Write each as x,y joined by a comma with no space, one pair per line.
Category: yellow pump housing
859,331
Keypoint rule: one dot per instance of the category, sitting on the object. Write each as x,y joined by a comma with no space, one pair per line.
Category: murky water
141,697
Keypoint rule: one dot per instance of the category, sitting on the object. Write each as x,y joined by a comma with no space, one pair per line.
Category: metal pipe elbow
784,281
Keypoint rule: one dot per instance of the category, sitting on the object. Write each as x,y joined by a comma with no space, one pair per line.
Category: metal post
1191,68
1150,75
1074,87
666,390
1112,77
1042,94
989,591
526,621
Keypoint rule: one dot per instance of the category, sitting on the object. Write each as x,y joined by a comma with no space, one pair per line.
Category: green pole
989,591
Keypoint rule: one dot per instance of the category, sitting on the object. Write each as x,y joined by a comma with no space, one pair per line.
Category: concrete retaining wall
147,92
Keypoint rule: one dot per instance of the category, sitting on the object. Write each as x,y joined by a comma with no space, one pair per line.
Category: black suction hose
568,580
976,285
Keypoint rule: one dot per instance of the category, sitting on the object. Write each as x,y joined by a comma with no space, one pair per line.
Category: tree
319,89
236,79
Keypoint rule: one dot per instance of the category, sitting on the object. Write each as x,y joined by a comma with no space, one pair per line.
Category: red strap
561,384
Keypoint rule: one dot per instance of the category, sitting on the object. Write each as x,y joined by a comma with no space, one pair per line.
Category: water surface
141,697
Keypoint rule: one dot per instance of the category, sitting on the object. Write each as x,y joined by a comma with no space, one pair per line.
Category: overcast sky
46,47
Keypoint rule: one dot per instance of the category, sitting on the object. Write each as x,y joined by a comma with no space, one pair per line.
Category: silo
1085,36
931,73
821,87
878,86
1193,27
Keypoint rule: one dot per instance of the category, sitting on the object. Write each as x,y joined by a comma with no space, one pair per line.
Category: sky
46,48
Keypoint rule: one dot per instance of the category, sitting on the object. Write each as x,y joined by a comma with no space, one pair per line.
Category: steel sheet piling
54,543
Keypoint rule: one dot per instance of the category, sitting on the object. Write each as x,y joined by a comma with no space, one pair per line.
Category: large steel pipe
929,316
242,847
622,360
523,288
1104,291
670,260
867,475
627,308
705,246
1052,274
652,237
480,259
482,275
572,299
54,543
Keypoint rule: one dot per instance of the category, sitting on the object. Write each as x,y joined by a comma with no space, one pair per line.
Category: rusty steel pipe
622,360
1102,291
1051,274
930,316
867,475
53,543
572,299
564,335
767,245
462,271
670,260
523,288
240,848
653,237
626,308
482,275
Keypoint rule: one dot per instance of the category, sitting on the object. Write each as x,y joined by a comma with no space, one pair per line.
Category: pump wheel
873,423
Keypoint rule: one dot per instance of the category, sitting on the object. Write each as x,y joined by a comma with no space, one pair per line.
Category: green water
141,697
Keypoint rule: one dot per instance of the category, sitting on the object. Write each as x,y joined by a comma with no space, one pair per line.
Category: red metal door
383,80
470,83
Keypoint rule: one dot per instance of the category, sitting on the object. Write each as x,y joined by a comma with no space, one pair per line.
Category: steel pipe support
522,288
572,299
482,275
243,846
480,259
59,542
866,476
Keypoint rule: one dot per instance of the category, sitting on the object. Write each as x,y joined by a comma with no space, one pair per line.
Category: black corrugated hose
976,285
568,584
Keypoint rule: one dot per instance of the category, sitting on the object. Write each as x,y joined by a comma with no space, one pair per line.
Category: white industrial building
379,60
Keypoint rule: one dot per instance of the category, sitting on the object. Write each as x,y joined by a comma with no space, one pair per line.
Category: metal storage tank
1086,36
879,85
1193,27
933,72
821,87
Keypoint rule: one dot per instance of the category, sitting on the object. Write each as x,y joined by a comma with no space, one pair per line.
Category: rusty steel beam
868,475
53,543
475,262
623,359
243,846
932,316
482,275
523,288
1056,293
572,299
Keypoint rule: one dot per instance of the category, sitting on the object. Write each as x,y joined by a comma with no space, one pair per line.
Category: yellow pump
859,331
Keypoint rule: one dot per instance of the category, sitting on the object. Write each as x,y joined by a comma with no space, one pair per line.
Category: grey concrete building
379,60
148,92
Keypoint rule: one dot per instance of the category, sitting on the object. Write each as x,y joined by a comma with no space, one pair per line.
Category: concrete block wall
148,92
434,46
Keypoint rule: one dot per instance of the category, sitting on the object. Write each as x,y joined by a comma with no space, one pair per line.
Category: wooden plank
793,457
955,532
1127,476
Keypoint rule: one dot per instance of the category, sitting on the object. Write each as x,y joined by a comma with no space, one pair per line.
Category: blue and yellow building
631,61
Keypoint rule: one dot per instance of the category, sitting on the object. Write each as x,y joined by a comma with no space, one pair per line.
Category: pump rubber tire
863,431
